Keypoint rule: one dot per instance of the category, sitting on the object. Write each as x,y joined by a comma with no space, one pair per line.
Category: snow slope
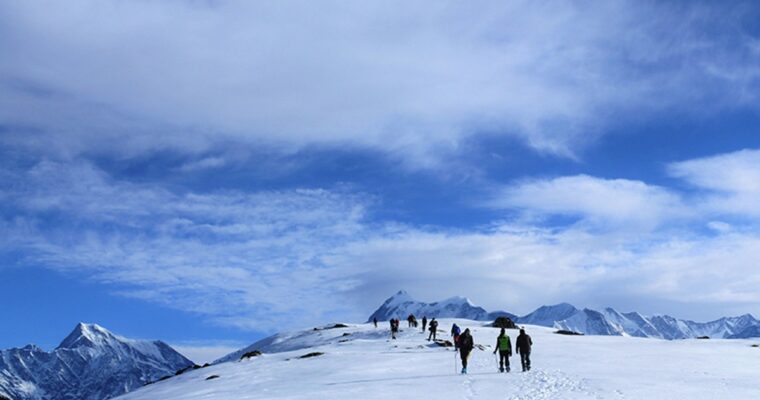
91,363
360,362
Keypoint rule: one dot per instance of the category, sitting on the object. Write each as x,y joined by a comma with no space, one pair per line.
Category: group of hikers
464,344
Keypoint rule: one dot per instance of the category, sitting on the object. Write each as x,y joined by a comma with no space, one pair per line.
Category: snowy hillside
402,305
91,363
361,362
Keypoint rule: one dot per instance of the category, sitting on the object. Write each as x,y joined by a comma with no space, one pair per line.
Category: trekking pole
455,360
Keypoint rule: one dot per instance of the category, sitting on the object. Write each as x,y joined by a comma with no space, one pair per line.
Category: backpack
504,343
465,342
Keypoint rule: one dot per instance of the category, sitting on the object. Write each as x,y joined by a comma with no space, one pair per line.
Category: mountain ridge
565,316
90,363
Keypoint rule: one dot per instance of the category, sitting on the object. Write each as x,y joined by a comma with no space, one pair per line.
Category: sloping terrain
362,362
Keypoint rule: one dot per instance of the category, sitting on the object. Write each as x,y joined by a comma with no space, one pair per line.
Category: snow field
368,365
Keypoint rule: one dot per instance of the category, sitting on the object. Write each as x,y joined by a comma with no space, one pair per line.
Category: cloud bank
412,79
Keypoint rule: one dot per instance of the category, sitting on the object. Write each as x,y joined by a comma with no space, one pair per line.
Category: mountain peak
399,298
88,335
401,304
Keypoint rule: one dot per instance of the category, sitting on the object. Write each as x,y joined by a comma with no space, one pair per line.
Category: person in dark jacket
504,347
374,321
424,323
433,329
394,328
465,345
522,347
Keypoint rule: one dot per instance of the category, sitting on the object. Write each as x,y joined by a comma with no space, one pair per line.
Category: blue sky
210,172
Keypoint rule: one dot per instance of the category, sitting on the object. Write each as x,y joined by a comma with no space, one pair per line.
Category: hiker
455,331
424,323
394,328
522,347
433,328
410,320
465,345
504,347
374,321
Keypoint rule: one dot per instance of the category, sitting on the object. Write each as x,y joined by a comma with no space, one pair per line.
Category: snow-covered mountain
548,315
349,362
565,316
91,363
401,304
611,322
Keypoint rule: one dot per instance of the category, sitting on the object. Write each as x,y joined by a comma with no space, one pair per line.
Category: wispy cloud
274,259
730,183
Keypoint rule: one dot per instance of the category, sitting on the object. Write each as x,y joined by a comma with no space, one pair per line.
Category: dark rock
212,377
205,365
333,326
347,334
756,345
313,354
344,340
569,333
250,354
3,397
703,337
444,343
504,322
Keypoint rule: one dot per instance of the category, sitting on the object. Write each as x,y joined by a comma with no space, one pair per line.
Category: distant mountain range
90,364
567,317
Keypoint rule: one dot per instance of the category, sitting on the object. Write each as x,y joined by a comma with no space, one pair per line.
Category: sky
209,172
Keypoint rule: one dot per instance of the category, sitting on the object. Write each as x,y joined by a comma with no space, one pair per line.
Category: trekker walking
455,331
424,323
410,320
374,321
504,347
465,345
523,346
433,329
394,328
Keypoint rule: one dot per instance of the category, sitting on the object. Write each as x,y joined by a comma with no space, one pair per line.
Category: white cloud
730,183
603,202
412,78
737,172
